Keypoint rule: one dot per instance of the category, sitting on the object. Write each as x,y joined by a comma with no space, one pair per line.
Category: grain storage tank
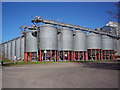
65,44
66,39
18,49
107,43
80,41
94,45
59,41
2,49
48,37
22,48
9,50
6,50
31,41
13,48
94,41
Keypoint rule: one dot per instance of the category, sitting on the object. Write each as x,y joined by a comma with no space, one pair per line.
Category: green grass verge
9,63
23,63
5,60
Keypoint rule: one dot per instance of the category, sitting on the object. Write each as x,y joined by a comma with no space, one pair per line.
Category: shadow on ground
111,66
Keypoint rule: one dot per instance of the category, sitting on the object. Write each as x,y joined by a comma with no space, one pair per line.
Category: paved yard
60,75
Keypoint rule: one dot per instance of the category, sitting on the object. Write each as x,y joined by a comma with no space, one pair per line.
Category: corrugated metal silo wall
107,43
22,48
31,41
13,49
66,39
80,41
48,37
18,49
9,50
6,50
94,41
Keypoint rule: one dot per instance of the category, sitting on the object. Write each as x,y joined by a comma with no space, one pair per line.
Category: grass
7,62
28,62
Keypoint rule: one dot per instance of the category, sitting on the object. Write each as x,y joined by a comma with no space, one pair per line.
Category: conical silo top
46,25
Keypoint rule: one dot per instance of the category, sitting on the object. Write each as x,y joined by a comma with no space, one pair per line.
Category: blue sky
88,14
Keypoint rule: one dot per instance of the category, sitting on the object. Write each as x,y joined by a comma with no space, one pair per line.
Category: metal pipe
38,19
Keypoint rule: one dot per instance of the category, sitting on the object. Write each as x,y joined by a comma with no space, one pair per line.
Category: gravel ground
61,75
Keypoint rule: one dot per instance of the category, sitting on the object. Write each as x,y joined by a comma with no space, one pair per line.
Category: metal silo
94,46
59,41
22,48
13,48
108,47
65,47
48,37
94,41
18,49
66,39
9,50
6,50
31,41
31,45
80,47
48,42
80,41
107,43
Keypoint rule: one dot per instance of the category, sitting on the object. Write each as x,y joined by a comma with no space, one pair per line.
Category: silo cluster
14,48
49,43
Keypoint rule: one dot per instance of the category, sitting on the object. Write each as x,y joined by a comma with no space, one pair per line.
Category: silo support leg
55,55
91,54
99,54
26,56
63,56
30,56
78,55
105,54
40,55
59,55
86,56
51,55
109,54
35,56
68,56
45,56
83,55
74,56
95,54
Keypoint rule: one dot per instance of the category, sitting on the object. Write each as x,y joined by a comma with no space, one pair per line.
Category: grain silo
108,47
80,48
9,50
18,49
65,39
48,43
13,48
6,50
22,48
94,46
30,45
